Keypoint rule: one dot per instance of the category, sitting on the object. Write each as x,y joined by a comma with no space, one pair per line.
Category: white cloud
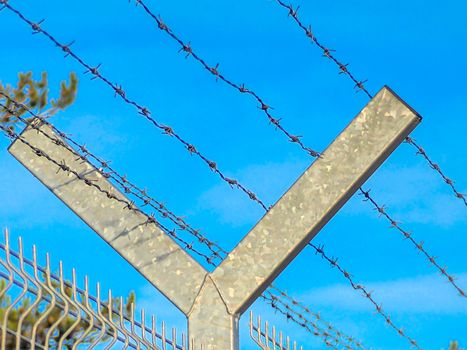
424,294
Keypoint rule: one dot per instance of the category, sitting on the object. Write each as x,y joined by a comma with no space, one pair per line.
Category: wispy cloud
423,294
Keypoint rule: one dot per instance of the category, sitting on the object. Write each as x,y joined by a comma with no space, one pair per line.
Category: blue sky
418,48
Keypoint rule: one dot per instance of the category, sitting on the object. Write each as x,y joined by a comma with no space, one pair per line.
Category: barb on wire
382,211
364,292
142,110
214,70
84,154
351,340
359,85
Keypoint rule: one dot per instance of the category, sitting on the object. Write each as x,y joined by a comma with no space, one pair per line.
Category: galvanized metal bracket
213,302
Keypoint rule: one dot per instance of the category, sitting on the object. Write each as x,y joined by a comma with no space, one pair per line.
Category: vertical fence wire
268,339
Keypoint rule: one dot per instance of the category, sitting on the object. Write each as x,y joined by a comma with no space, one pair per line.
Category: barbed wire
150,219
214,70
144,111
317,316
359,85
122,181
365,293
419,245
119,91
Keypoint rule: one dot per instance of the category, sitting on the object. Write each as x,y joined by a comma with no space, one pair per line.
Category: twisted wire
317,316
214,70
122,181
359,85
144,111
364,292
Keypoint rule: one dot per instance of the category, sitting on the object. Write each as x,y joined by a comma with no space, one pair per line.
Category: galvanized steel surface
314,198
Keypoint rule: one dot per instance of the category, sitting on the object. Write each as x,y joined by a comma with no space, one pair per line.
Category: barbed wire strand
122,181
359,85
365,293
144,111
317,316
214,70
87,152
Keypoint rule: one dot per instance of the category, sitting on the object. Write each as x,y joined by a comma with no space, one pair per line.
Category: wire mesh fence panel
42,310
268,338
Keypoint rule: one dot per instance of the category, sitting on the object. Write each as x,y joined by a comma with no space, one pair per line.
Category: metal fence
40,310
269,339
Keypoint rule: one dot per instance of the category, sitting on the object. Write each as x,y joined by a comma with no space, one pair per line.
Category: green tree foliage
454,346
33,318
35,95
